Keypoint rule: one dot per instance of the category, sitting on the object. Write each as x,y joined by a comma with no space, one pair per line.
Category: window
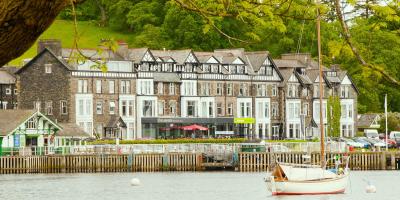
214,68
47,68
37,105
316,91
261,90
219,109
291,130
275,110
124,108
292,90
63,105
98,86
230,109
245,109
111,87
49,107
206,88
229,89
220,89
171,88
268,70
88,107
189,88
147,108
172,108
243,89
31,123
274,90
344,91
8,91
294,110
112,107
191,108
160,88
160,107
210,109
125,87
82,86
81,107
15,91
266,109
99,107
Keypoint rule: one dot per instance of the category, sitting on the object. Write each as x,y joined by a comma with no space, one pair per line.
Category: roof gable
212,60
346,81
191,58
45,50
238,61
148,57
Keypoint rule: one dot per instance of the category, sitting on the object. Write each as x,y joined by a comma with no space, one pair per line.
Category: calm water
179,186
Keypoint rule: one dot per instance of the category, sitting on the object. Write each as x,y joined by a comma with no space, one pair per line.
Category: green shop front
26,130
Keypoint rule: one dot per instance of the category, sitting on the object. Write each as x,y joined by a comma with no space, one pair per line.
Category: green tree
393,122
333,116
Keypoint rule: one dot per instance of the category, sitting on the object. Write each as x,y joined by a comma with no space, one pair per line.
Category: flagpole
386,123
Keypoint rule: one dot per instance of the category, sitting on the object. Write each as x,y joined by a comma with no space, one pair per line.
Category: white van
394,135
371,133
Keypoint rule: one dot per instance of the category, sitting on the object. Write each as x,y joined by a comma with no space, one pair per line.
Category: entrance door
31,141
275,132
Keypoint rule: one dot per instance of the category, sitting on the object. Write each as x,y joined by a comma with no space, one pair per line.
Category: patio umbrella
194,127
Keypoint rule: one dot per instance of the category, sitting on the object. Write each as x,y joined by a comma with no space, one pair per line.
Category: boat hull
314,187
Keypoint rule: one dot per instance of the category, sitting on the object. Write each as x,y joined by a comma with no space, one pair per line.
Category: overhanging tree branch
347,37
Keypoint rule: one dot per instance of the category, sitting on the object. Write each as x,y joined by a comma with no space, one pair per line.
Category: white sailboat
307,179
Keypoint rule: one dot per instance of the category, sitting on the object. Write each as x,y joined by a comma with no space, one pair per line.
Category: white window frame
63,104
98,86
47,68
171,88
99,107
111,107
111,86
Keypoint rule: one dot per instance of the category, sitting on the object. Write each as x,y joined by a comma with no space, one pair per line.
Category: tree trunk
103,15
23,21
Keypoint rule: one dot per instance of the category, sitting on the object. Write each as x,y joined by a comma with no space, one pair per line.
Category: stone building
151,93
8,90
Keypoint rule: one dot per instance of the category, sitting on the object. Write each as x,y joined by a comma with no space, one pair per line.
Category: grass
89,36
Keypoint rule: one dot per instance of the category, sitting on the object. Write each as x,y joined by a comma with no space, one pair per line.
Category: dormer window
331,73
47,68
241,69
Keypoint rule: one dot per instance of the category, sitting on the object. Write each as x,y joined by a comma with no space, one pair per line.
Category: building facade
151,93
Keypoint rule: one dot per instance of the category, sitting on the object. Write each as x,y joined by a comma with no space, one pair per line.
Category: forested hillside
206,25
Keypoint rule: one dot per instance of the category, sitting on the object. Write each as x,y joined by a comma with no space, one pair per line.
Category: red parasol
194,127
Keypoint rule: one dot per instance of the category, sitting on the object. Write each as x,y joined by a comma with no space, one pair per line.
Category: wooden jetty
256,162
151,162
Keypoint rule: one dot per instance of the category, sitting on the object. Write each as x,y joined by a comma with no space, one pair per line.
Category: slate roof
286,74
178,55
256,59
92,53
286,63
136,55
166,77
11,119
366,120
61,60
71,130
112,123
6,77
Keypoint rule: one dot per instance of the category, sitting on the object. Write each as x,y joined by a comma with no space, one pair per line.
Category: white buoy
370,188
135,182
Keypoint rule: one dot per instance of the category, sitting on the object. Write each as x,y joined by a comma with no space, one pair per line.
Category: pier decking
243,162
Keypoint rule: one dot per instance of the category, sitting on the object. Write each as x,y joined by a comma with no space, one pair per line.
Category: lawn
89,36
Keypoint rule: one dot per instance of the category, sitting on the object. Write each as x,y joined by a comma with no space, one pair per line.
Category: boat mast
321,88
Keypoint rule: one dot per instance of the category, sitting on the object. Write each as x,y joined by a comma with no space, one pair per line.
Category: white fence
175,148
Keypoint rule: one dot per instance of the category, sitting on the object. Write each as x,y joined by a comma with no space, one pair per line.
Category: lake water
179,186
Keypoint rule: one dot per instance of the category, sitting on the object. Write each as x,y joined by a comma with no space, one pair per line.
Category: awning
194,127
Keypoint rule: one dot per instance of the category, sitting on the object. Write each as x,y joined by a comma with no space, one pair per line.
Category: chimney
54,45
122,48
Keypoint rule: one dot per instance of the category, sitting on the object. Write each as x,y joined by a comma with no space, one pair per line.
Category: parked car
371,133
350,142
395,135
365,143
277,148
391,143
376,142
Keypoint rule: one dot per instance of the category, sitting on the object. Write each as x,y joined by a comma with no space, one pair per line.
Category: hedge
170,141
